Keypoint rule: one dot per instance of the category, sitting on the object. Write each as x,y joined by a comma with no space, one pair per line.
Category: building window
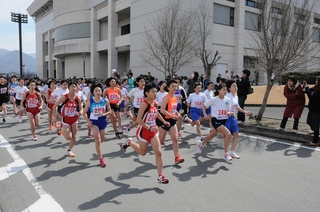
231,0
316,35
300,17
316,20
250,62
275,27
252,4
223,15
276,10
252,21
299,30
125,29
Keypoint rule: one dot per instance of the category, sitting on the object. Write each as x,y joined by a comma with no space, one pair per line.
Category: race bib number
198,104
151,119
234,108
19,95
222,114
173,109
140,100
96,113
32,103
70,111
113,96
3,90
179,97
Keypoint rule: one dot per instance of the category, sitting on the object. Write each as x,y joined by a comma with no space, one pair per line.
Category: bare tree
283,40
203,27
171,42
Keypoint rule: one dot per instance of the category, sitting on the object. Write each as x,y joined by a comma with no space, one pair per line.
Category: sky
9,32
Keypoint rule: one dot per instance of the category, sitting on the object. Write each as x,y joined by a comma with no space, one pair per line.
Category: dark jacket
314,99
191,82
243,87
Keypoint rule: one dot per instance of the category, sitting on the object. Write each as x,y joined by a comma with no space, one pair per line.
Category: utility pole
20,19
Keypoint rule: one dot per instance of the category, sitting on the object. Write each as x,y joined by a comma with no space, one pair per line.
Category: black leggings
284,123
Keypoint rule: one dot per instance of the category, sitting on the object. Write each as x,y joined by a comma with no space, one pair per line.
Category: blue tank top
96,108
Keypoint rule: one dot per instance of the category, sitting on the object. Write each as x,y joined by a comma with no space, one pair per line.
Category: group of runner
153,108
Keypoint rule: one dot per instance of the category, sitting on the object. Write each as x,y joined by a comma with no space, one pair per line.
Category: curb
272,133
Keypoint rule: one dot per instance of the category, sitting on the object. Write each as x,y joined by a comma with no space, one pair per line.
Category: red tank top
150,114
32,100
69,109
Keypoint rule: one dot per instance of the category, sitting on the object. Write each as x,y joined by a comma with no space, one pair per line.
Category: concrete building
91,37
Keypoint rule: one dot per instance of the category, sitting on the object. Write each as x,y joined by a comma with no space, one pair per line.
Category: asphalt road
37,176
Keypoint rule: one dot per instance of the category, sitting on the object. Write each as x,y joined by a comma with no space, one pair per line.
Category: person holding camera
313,119
295,103
243,91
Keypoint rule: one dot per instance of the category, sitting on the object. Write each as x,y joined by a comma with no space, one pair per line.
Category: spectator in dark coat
313,119
243,90
193,79
295,103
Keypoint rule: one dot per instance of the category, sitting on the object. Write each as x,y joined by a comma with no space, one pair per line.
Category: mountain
10,62
32,55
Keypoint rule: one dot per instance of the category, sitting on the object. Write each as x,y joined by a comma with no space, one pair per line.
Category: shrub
308,76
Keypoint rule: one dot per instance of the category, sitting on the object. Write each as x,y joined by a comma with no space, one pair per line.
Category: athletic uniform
209,95
94,110
180,94
137,100
69,111
171,108
12,86
159,99
4,96
33,103
19,92
219,109
196,101
57,94
232,123
50,105
124,93
113,96
149,117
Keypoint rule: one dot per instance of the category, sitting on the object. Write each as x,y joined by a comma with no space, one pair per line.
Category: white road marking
298,145
46,201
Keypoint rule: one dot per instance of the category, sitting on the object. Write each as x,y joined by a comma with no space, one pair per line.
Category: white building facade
91,37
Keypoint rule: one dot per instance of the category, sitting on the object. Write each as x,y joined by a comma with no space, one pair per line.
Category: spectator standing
256,77
193,79
218,79
313,119
232,76
295,103
243,90
130,81
227,75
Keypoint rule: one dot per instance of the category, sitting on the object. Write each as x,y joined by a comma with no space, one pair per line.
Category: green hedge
309,76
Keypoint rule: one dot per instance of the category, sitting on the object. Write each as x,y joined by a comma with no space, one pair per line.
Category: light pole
84,63
20,18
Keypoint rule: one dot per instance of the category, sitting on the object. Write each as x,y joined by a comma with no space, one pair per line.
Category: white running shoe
179,135
127,129
227,157
199,147
127,143
279,128
234,155
34,138
185,117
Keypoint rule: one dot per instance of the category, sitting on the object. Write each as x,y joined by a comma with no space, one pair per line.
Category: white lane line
46,201
298,145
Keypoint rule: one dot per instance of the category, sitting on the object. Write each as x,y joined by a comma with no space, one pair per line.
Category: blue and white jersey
96,108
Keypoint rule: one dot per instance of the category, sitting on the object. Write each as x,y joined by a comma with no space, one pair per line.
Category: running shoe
227,157
202,138
55,124
185,117
120,131
127,143
280,128
179,135
20,119
127,129
16,113
199,147
295,131
162,145
102,163
118,135
89,135
234,155
162,179
178,160
50,127
59,131
34,138
4,120
312,144
70,154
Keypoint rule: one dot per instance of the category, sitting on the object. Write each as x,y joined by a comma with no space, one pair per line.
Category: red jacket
295,100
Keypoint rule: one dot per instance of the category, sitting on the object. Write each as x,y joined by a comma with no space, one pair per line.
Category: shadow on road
300,152
110,196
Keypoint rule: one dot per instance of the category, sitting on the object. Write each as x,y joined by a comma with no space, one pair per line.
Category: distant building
96,36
